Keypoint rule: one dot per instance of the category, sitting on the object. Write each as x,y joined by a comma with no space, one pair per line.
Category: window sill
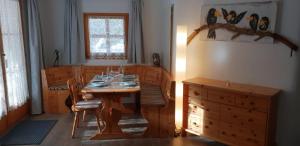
106,61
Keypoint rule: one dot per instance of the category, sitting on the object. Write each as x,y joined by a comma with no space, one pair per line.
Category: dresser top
237,87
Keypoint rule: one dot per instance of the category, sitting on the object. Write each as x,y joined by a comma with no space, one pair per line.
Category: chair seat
77,108
89,102
88,96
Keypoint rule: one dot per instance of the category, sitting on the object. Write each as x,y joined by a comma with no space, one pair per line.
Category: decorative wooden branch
244,31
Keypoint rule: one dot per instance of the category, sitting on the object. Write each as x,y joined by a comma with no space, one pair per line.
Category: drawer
211,128
207,109
248,141
254,103
198,92
195,123
221,97
229,136
196,110
254,133
243,117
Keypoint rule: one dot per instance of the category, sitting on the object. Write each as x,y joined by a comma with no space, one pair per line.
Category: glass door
3,107
13,47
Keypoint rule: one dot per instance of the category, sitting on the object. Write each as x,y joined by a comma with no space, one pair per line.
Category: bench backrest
58,75
167,86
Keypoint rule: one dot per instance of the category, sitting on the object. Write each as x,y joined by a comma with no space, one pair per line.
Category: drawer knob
250,120
221,97
234,116
233,135
252,103
224,133
196,93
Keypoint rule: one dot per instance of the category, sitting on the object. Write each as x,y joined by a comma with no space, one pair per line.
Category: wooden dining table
111,89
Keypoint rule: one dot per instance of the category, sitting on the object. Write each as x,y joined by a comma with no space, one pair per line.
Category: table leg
111,118
138,103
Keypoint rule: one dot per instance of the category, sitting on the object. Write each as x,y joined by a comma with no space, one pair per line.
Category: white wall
156,24
251,63
105,6
52,21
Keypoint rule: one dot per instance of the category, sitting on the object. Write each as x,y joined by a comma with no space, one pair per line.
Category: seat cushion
88,96
59,87
85,107
89,102
151,95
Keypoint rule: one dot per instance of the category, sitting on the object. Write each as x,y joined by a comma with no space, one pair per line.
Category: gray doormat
28,132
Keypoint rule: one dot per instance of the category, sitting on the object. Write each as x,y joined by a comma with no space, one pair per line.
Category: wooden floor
60,135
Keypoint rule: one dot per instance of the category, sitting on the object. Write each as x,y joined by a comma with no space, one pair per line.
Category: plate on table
98,83
131,84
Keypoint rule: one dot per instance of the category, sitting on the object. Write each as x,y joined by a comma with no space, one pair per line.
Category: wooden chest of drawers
231,113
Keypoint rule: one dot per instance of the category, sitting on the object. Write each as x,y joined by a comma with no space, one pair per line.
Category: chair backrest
74,89
83,81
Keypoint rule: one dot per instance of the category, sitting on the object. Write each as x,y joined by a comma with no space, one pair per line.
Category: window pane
116,26
15,71
98,45
117,45
97,26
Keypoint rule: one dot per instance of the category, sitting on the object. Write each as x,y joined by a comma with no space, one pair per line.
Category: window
106,35
12,45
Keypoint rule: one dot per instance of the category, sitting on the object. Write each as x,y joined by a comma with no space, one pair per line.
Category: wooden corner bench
157,93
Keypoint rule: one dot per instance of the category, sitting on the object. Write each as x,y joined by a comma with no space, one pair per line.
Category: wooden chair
83,82
78,106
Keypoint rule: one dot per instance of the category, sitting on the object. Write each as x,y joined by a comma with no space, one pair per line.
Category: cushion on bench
151,95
